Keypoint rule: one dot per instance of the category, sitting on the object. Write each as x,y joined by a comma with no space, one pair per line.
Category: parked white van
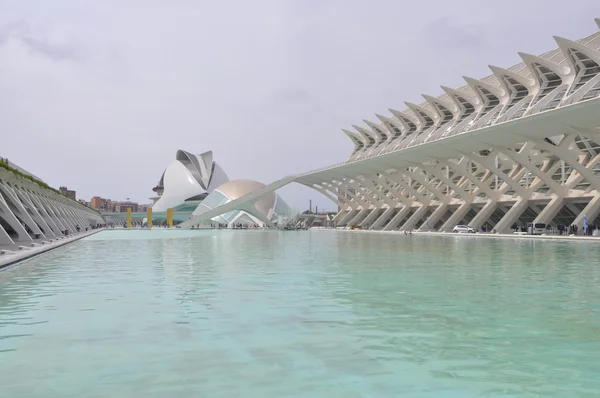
536,228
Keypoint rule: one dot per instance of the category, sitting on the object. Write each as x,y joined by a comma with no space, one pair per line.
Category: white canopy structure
267,209
520,145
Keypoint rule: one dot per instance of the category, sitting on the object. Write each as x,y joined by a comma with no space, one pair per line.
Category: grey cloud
54,51
267,87
21,32
10,29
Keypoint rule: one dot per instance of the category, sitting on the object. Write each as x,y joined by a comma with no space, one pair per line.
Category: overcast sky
99,95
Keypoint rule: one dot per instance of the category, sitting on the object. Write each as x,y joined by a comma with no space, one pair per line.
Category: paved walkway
478,235
12,254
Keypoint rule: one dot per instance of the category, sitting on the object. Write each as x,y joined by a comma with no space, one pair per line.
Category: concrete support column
67,213
484,214
360,216
344,216
35,214
10,218
382,218
84,220
364,203
19,209
349,216
590,211
437,214
5,239
551,210
414,219
65,220
398,218
375,213
323,189
61,223
456,217
340,215
353,213
50,221
506,222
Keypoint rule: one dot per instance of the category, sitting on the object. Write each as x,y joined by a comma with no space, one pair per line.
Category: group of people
588,230
225,226
567,230
78,228
573,229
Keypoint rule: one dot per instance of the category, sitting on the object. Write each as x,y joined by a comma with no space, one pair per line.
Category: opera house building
194,185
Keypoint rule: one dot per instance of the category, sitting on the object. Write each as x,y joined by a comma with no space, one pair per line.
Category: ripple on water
256,313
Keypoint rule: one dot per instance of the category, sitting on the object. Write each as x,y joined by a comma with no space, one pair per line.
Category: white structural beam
238,204
30,212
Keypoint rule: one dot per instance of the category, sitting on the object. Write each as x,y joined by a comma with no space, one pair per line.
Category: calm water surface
302,314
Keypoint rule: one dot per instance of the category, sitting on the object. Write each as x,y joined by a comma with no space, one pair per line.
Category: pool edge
10,260
560,238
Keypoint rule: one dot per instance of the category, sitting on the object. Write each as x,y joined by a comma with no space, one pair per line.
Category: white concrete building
189,178
197,188
269,210
30,212
517,146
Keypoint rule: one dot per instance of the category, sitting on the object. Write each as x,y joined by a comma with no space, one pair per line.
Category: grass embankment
42,184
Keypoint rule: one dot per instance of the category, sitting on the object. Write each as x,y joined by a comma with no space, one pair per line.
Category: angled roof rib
568,73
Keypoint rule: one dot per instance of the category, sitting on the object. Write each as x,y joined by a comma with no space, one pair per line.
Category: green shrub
42,184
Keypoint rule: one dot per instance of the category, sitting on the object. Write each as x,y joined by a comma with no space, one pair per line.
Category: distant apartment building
98,203
110,206
144,208
68,193
121,207
102,204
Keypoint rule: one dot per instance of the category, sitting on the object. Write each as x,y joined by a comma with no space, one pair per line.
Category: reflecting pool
302,314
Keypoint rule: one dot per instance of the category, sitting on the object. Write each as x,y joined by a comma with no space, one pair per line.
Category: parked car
464,229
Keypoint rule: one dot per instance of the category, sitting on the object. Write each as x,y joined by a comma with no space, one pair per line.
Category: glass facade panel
215,199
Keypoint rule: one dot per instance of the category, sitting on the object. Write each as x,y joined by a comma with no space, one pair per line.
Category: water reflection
253,313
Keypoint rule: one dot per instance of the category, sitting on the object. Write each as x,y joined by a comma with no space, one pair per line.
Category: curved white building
520,145
517,146
268,210
189,178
